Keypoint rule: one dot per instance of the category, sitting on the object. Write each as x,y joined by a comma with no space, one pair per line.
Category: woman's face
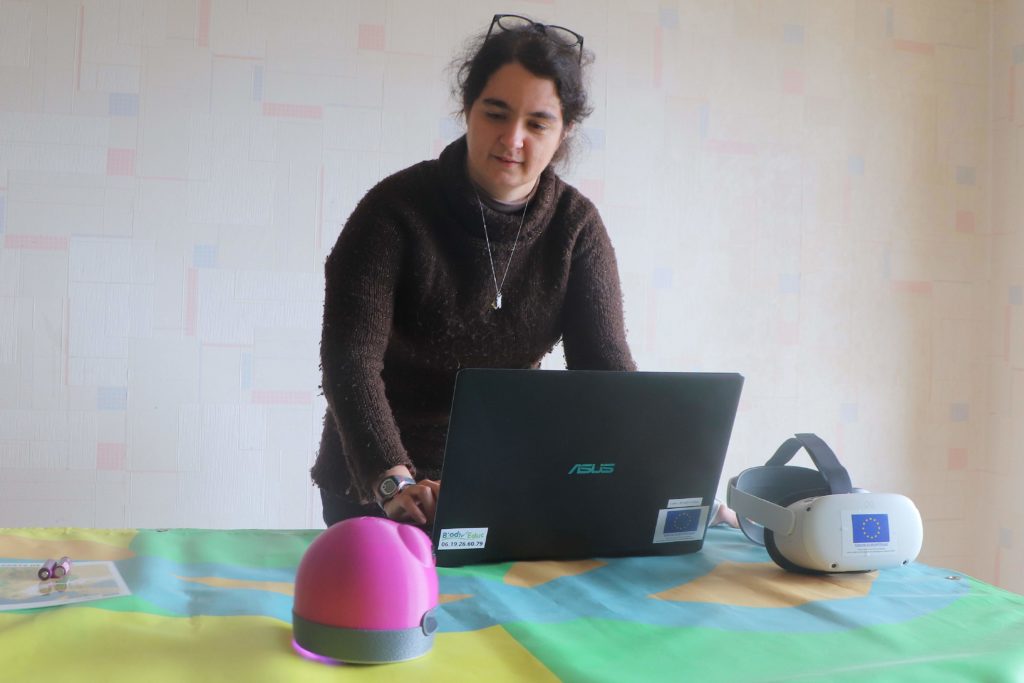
513,129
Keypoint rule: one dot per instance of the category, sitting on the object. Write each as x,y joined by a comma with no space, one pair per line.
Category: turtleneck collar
502,206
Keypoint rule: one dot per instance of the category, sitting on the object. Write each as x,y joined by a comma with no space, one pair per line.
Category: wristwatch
390,486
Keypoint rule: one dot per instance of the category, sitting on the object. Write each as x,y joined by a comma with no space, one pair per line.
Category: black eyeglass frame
538,26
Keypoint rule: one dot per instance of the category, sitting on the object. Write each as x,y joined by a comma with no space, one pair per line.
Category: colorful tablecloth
216,606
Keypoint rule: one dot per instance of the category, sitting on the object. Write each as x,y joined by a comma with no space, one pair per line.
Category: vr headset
815,522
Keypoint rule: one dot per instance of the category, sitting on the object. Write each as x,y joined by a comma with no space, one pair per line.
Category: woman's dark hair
538,53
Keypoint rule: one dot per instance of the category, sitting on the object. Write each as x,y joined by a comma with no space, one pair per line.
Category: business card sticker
462,539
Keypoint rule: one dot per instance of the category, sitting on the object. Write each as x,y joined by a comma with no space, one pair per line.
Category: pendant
497,302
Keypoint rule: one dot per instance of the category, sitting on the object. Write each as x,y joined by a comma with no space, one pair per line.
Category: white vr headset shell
814,521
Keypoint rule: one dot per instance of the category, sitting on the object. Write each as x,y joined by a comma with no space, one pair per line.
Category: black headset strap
836,476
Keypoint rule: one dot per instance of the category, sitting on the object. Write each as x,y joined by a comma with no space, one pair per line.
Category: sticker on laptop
867,533
462,539
681,524
684,502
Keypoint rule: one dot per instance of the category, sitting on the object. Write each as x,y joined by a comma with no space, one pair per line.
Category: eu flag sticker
682,521
872,528
681,524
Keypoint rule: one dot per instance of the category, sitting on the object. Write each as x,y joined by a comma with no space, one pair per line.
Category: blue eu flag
871,528
681,521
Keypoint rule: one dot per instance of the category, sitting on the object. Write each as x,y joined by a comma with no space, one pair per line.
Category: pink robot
365,592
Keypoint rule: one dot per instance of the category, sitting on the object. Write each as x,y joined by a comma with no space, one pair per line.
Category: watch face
388,486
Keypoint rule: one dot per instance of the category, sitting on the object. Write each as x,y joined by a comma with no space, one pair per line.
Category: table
216,605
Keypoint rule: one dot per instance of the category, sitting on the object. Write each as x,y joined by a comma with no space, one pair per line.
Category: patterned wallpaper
999,523
819,195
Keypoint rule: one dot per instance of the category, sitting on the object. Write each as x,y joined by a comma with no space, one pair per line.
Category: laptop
568,464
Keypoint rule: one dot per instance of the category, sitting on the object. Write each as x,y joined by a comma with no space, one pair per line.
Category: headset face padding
782,560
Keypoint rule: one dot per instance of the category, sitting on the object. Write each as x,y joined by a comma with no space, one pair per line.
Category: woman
480,258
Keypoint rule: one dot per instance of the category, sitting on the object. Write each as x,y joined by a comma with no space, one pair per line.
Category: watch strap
399,482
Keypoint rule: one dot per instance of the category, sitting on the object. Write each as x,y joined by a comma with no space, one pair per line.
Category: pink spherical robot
365,592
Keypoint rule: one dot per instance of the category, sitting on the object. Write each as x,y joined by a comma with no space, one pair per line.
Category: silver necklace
494,275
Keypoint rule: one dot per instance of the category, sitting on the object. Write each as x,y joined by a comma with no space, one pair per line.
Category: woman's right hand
414,503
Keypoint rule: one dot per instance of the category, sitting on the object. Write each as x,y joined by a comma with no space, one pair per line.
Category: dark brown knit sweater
408,303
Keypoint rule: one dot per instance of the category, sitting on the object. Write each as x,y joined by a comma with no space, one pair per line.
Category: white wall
802,191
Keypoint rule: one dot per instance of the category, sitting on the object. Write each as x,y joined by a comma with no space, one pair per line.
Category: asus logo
587,468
